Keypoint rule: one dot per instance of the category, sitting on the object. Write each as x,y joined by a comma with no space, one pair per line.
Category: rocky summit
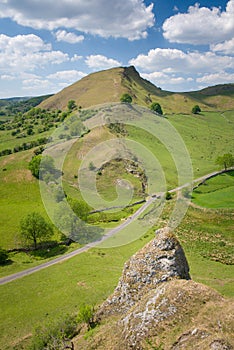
156,305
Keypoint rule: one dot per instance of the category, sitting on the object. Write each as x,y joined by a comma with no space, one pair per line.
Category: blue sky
178,45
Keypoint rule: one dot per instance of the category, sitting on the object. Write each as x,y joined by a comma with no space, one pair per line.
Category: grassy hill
108,86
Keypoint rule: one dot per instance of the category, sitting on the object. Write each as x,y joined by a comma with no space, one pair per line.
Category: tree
156,108
196,109
226,161
71,105
34,228
34,165
40,166
126,98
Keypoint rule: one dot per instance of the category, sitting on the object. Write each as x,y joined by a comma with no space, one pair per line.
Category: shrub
156,108
126,98
86,314
54,335
196,109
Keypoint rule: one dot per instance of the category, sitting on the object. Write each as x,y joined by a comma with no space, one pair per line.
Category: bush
86,314
196,109
156,108
126,98
168,196
54,335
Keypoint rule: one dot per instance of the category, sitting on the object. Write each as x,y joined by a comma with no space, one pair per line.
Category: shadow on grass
6,263
230,173
48,251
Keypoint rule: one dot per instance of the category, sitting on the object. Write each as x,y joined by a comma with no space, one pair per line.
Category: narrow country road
60,259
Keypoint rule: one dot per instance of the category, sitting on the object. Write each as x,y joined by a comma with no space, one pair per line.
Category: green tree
80,208
126,98
71,105
196,109
156,108
34,165
3,256
34,228
40,166
225,161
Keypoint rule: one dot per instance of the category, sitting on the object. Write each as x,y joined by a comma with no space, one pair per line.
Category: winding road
60,259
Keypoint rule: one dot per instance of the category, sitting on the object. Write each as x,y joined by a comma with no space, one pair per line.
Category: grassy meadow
216,192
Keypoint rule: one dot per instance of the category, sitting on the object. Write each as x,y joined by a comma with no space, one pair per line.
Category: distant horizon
32,96
179,47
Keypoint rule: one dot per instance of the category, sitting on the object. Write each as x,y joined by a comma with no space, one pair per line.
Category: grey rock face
161,260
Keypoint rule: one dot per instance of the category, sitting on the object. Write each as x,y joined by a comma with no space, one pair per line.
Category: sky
46,45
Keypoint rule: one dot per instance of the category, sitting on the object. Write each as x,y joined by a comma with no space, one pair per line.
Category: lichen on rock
161,260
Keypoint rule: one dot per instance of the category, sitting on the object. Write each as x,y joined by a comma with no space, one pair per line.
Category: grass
86,278
90,277
109,85
206,235
216,192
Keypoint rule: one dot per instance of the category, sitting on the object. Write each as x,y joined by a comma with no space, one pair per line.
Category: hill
108,86
21,104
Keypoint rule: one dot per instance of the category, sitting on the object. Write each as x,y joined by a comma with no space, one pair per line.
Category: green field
216,192
92,276
206,235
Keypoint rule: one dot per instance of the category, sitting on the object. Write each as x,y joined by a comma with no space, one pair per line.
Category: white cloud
217,78
201,25
68,76
71,38
39,85
76,58
175,70
128,19
169,82
177,61
27,52
23,44
227,47
101,62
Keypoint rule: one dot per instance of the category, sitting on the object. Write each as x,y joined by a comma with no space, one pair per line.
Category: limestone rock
161,260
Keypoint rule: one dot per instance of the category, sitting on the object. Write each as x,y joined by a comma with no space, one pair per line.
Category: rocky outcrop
161,260
157,306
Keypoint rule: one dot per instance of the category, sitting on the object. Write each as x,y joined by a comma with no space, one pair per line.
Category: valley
132,154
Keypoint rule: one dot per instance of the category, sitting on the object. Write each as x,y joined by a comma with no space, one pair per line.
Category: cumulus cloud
180,71
101,62
27,52
227,47
71,38
201,25
169,82
68,76
128,19
217,78
173,60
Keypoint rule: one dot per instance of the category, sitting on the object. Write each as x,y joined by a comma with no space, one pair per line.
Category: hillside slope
108,86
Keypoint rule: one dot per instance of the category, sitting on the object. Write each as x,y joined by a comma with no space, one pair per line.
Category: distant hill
20,104
108,86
